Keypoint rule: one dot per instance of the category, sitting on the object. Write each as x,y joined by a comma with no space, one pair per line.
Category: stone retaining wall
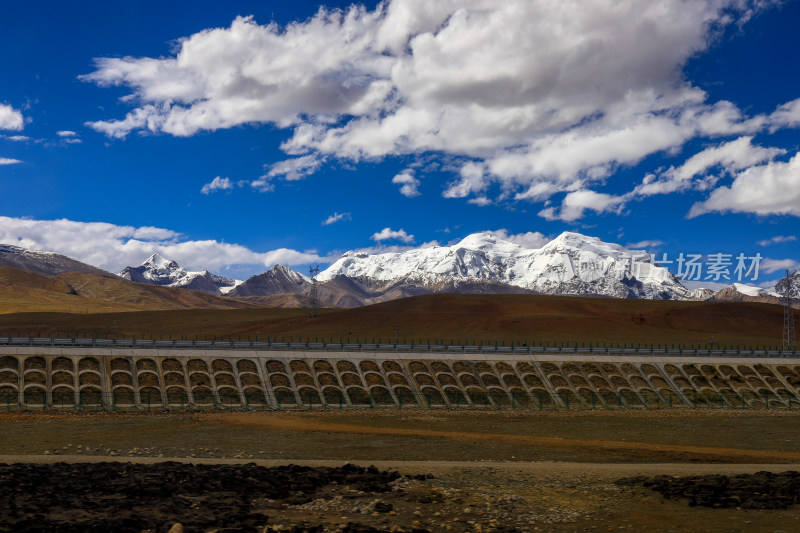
32,378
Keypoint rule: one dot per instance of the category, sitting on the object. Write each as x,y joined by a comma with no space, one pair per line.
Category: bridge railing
229,344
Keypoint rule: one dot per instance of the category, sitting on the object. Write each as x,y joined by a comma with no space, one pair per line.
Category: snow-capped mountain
569,264
157,270
780,287
279,279
739,292
44,263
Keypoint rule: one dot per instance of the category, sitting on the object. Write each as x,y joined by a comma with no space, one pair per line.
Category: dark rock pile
762,490
125,497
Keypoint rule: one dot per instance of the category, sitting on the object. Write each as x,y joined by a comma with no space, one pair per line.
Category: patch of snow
748,290
229,288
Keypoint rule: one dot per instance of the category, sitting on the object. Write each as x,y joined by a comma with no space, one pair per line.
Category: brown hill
730,294
45,263
74,292
278,301
450,318
343,291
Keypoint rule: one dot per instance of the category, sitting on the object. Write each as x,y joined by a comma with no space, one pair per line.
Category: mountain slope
157,270
279,279
75,292
44,263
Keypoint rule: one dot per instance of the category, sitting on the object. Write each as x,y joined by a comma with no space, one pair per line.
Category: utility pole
789,339
312,273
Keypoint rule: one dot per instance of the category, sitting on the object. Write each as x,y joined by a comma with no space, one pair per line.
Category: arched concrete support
76,379
671,383
269,394
187,385
105,381
607,378
290,376
412,383
341,384
435,378
786,384
585,376
546,381
382,373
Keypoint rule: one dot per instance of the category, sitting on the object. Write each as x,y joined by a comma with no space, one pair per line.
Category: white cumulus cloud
576,203
112,247
389,234
729,157
8,161
769,266
336,217
777,240
480,200
395,248
10,118
644,245
409,184
296,168
786,116
529,239
771,189
534,96
217,184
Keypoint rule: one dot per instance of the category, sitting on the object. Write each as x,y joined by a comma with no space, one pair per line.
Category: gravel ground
437,496
479,484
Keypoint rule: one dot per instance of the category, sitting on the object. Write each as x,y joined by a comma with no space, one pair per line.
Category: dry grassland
443,318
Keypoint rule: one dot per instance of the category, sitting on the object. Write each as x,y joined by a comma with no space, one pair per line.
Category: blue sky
226,142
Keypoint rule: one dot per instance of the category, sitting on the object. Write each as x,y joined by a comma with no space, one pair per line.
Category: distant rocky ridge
44,263
279,279
738,292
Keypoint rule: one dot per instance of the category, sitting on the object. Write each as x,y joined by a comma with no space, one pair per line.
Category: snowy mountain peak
571,241
288,273
283,269
478,241
158,262
157,270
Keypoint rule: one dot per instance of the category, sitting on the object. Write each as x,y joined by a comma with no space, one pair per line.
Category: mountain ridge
572,264
279,279
156,270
